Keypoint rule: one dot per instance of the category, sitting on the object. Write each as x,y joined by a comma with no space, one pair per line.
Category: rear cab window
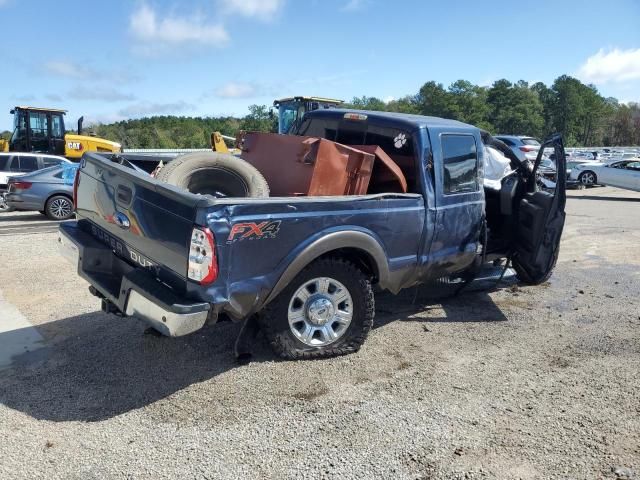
459,163
397,143
4,164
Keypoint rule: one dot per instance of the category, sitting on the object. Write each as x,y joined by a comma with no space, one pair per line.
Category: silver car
49,191
522,146
621,174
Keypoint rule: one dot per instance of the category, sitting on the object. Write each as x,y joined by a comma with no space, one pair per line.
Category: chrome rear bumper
127,290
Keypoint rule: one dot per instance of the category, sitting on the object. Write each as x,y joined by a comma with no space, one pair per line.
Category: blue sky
126,59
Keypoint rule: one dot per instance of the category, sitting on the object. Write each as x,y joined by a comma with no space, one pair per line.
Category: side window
56,126
507,141
50,162
460,164
26,164
4,163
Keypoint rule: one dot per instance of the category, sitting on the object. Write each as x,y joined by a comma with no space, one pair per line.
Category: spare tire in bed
217,174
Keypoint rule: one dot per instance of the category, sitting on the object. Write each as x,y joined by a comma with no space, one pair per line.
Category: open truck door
541,216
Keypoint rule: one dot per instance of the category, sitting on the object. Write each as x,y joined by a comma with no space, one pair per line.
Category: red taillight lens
527,149
203,264
20,185
76,182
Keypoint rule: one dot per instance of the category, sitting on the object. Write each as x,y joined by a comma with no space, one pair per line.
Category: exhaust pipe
80,120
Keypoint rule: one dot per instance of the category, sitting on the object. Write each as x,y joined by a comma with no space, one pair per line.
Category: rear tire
326,311
59,207
217,174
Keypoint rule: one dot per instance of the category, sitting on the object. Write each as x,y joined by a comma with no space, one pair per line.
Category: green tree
515,109
259,120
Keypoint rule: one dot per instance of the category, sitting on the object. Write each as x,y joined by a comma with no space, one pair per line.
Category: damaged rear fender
362,245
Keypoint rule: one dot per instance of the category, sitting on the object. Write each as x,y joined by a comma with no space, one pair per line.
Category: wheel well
363,260
58,195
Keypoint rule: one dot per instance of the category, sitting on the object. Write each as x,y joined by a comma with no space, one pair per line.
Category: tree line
578,111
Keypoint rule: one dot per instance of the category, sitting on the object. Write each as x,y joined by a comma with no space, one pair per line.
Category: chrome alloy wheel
60,208
320,312
3,204
588,178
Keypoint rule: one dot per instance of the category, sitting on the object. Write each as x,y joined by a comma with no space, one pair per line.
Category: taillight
21,185
76,182
527,149
203,264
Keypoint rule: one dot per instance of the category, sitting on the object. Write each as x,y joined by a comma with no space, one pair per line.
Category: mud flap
541,216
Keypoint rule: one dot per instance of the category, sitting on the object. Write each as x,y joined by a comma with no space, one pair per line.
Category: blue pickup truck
304,268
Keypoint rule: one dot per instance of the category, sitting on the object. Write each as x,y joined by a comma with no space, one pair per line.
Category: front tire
326,311
59,207
588,178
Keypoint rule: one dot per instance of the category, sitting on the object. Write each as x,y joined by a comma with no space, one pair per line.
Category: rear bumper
127,290
21,202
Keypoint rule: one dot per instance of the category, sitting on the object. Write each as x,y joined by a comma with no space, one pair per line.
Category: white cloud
237,90
157,34
63,68
141,109
611,66
260,9
108,94
67,69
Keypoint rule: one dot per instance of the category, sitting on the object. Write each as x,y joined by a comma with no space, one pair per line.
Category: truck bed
256,239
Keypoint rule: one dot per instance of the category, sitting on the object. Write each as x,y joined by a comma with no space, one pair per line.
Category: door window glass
39,125
56,126
26,164
460,164
50,162
4,163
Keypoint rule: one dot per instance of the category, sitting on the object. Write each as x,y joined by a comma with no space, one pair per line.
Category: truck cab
38,130
292,109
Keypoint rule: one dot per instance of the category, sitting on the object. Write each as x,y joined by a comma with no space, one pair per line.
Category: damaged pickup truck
357,200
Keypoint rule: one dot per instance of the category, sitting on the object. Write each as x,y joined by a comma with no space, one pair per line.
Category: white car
621,174
15,164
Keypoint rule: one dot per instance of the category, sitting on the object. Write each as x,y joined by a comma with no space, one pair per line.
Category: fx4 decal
253,231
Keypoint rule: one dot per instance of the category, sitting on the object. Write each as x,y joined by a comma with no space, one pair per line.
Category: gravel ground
500,382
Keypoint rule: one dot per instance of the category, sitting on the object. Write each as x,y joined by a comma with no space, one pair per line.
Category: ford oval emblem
122,220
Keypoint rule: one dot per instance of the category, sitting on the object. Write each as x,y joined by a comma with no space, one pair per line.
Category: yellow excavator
42,130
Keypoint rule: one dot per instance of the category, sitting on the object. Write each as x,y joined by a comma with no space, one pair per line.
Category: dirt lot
510,382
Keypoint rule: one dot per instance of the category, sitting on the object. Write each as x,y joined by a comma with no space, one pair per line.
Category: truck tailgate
145,222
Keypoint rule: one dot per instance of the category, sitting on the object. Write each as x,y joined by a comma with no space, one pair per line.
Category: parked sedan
621,174
522,146
49,191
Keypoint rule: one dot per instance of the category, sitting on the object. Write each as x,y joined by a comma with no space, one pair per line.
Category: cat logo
74,145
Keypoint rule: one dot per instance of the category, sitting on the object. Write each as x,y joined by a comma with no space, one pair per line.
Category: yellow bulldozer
42,130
